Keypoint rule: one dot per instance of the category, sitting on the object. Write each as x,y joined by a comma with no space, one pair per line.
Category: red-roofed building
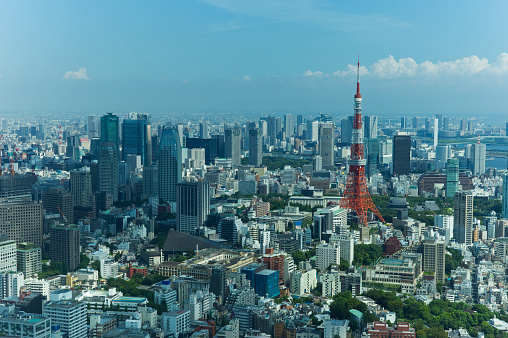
382,330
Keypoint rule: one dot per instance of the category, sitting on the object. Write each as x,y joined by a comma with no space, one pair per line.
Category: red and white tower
356,196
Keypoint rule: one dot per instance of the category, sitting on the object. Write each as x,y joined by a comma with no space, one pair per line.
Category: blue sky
254,56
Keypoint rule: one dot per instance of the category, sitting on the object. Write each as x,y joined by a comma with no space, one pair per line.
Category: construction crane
61,213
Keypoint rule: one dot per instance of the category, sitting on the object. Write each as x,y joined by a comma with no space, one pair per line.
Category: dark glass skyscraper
108,169
255,145
401,154
170,163
136,137
109,129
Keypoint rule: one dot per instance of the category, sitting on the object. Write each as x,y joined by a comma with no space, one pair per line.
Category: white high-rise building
479,154
109,268
312,131
301,283
445,222
11,284
176,322
346,246
70,315
330,282
8,255
326,254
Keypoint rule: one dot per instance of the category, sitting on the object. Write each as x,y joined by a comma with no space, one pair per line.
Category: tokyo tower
356,196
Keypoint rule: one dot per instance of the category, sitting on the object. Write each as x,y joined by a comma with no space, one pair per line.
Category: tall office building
434,253
29,259
81,187
192,205
228,229
203,130
64,246
70,316
16,187
326,143
327,254
108,169
312,130
479,154
91,127
505,195
22,221
416,122
110,129
233,145
401,154
452,177
446,123
370,126
170,163
137,137
439,118
346,130
442,154
58,201
436,133
255,145
289,127
150,181
463,125
463,217
445,222
403,122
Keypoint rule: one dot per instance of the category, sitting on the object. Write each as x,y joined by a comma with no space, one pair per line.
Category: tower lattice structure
356,196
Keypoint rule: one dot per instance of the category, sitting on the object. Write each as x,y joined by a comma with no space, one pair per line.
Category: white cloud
246,78
351,70
80,74
317,73
407,67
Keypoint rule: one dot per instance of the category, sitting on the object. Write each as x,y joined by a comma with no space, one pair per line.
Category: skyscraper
312,130
434,253
403,122
289,125
346,130
452,177
416,122
436,133
463,217
81,187
203,130
479,154
110,129
505,195
58,201
192,206
233,145
137,138
170,163
64,246
370,126
108,169
326,151
91,127
255,145
29,259
401,154
22,221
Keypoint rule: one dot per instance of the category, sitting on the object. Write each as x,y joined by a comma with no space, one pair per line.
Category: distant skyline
294,56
